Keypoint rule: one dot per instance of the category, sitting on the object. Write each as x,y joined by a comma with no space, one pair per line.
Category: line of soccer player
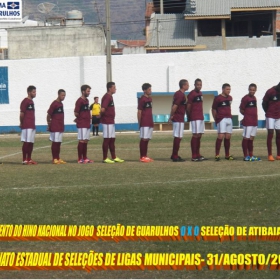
192,106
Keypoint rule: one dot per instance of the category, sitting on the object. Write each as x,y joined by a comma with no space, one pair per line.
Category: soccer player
82,120
177,116
95,114
145,121
55,120
221,112
108,123
27,125
195,116
248,108
271,106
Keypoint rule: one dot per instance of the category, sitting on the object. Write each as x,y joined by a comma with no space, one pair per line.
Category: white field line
39,148
147,183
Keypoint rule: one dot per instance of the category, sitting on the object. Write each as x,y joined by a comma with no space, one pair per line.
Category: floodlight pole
108,43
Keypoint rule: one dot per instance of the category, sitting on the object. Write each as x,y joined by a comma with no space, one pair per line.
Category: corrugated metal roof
174,31
223,7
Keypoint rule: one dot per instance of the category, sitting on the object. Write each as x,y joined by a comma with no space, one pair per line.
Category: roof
133,43
213,8
174,31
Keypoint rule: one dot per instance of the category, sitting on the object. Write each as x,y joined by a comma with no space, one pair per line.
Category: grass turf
234,193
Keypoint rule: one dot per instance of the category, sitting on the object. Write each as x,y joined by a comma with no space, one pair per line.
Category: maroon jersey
57,115
272,97
27,107
107,102
195,99
82,107
145,105
179,99
249,105
222,105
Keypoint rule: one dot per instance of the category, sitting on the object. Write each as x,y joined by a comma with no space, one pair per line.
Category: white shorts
225,126
28,135
178,129
197,126
272,123
56,136
249,131
83,133
146,132
109,131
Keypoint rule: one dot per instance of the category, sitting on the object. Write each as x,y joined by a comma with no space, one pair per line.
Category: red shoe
32,162
151,160
270,158
88,160
145,159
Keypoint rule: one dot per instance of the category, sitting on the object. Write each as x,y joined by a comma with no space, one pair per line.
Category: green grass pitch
233,193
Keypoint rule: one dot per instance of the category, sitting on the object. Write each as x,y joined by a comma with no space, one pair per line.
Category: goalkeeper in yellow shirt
95,114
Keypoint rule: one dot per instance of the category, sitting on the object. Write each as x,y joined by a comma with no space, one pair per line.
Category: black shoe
178,159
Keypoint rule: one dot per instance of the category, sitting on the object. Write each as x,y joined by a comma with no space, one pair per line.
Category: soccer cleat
151,160
81,161
247,158
278,158
145,159
178,159
25,162
197,159
253,158
217,158
30,162
118,160
173,157
86,160
230,157
56,161
270,158
107,160
203,158
62,161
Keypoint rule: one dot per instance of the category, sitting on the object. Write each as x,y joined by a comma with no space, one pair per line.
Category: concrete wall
55,41
233,43
163,71
212,43
246,43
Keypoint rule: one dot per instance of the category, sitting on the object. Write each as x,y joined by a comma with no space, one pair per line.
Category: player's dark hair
225,85
30,88
278,88
95,97
60,91
182,83
85,87
197,80
252,85
146,86
109,85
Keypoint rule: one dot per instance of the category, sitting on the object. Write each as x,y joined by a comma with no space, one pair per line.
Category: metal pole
108,43
157,35
161,7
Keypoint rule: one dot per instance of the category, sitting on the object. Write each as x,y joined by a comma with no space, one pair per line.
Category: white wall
237,67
